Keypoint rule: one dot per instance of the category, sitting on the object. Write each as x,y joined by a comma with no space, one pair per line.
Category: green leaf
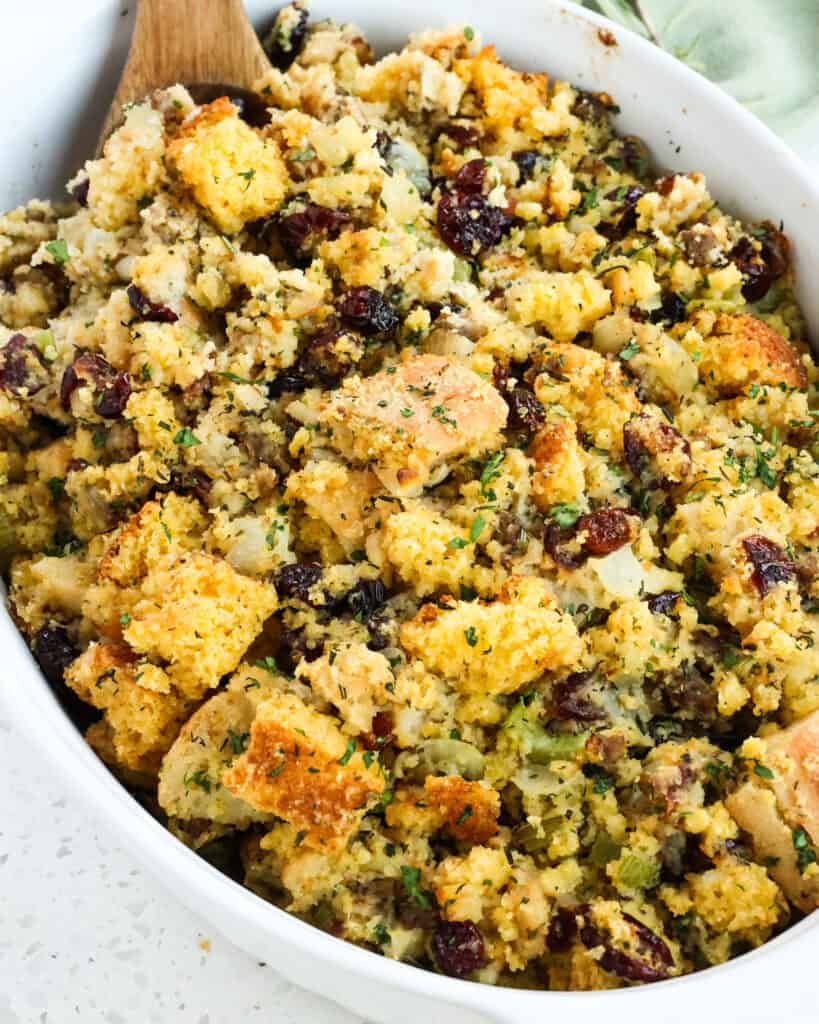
565,514
478,524
59,250
186,438
763,771
348,753
411,878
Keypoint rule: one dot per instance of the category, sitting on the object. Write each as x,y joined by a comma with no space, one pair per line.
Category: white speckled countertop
87,936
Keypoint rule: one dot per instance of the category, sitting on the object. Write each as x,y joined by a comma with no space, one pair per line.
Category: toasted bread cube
498,646
410,419
300,767
358,681
754,809
469,809
142,711
190,784
200,615
742,351
560,464
234,173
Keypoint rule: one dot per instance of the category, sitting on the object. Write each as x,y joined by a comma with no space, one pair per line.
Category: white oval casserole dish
58,77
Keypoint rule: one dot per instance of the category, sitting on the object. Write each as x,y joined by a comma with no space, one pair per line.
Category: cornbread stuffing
415,500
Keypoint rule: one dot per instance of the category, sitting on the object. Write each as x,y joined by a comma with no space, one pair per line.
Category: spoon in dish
209,46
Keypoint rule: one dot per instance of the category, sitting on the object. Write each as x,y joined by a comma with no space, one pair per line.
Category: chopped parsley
238,741
248,176
763,771
629,351
471,636
565,514
475,530
348,753
490,472
805,853
59,250
457,542
198,778
186,438
411,878
465,815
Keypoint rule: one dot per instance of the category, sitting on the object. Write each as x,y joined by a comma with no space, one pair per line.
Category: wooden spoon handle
188,41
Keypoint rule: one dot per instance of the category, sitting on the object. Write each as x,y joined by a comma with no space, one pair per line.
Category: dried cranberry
625,966
571,704
250,106
21,367
381,734
112,388
321,364
283,44
299,231
525,411
80,191
365,598
672,310
663,604
469,224
458,948
287,382
626,214
646,437
665,185
527,160
464,136
471,176
562,930
295,580
771,564
143,307
554,542
367,311
54,652
760,268
607,529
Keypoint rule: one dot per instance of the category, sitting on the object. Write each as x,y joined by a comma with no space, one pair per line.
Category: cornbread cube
559,463
213,737
410,419
200,616
592,389
743,350
737,898
130,169
158,528
565,304
495,647
469,809
358,681
339,496
300,767
234,173
140,708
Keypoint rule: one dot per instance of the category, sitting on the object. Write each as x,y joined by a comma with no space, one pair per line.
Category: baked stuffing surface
415,500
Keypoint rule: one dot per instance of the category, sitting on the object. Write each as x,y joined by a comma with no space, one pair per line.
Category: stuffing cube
498,646
140,708
300,767
357,681
781,813
409,419
234,173
199,615
190,785
743,351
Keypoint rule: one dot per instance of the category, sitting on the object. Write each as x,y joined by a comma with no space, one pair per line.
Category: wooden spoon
207,45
